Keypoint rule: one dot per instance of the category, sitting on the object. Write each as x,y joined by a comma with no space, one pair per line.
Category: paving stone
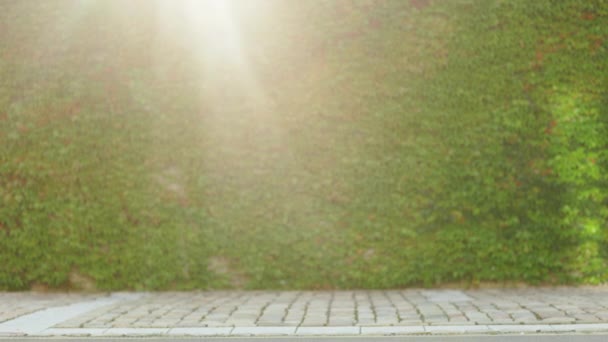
410,322
587,319
184,324
294,315
437,316
121,324
563,319
503,321
366,321
244,315
96,325
531,320
166,322
270,319
241,322
366,314
312,323
215,324
341,322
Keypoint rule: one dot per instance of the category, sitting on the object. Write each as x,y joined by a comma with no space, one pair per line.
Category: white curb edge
317,331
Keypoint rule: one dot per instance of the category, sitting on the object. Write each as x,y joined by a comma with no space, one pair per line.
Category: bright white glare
212,25
217,20
215,31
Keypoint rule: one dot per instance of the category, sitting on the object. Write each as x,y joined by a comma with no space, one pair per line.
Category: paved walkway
265,313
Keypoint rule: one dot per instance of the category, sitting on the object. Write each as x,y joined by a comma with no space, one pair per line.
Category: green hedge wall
315,144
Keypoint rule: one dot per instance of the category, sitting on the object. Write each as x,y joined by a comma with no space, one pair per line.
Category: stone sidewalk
265,313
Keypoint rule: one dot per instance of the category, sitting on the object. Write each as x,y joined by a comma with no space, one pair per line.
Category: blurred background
319,144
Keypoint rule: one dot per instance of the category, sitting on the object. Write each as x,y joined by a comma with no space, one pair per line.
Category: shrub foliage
333,144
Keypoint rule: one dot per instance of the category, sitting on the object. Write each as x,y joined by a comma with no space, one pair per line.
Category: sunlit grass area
314,144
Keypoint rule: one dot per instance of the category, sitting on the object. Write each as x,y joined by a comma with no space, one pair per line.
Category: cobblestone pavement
338,312
352,308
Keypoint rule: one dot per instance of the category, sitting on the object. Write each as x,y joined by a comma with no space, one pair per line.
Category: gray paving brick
562,319
366,321
184,324
341,322
312,323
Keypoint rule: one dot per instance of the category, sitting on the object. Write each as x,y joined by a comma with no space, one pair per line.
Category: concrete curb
268,331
